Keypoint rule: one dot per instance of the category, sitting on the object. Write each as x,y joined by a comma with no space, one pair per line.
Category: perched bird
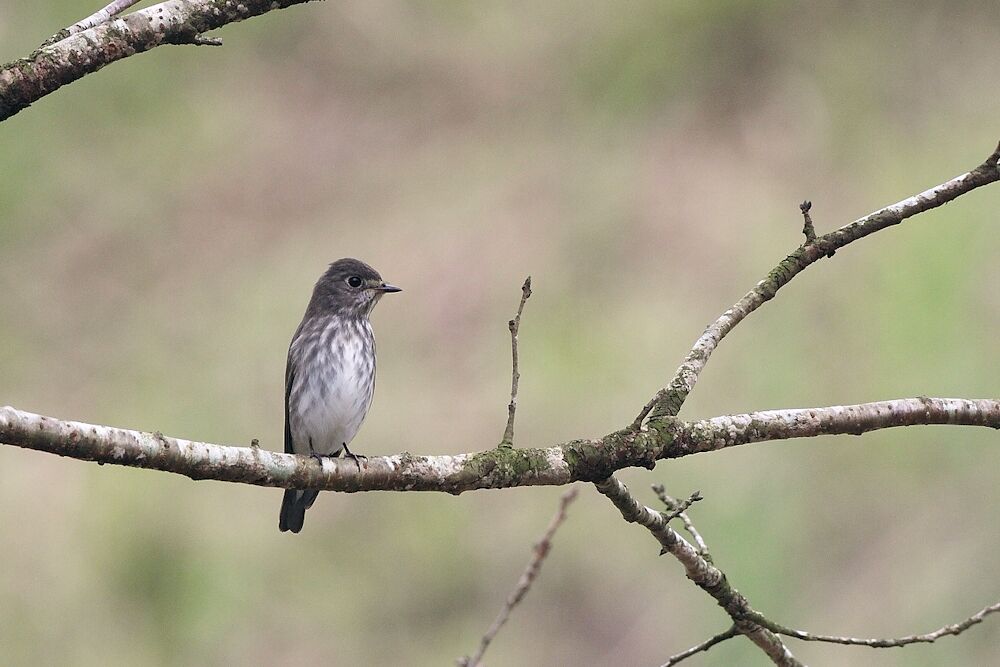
330,373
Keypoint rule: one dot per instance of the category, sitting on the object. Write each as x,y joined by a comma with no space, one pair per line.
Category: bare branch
514,325
542,548
70,55
704,646
668,401
499,467
930,637
761,630
101,16
699,570
681,506
677,508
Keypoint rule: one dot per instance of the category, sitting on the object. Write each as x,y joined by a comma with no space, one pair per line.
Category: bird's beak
386,287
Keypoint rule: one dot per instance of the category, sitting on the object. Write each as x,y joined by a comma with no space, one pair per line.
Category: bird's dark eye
354,281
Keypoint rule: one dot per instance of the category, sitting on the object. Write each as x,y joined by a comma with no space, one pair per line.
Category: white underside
334,400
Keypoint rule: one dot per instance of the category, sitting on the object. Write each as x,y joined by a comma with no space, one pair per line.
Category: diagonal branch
746,620
70,55
668,401
542,548
704,646
500,467
699,570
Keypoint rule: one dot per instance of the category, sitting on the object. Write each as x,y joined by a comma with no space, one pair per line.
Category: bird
330,373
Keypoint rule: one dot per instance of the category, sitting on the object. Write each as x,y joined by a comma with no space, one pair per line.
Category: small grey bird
330,373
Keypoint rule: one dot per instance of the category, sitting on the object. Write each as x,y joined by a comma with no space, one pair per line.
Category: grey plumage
330,372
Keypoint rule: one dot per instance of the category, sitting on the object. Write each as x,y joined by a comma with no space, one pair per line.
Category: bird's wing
289,380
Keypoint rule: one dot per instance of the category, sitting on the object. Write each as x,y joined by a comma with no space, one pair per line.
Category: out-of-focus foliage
163,221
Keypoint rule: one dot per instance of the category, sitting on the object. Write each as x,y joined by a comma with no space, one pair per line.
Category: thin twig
930,637
514,325
681,506
704,646
101,16
674,506
646,409
807,225
542,548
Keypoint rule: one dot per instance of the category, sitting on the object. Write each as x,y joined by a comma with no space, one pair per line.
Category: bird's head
349,287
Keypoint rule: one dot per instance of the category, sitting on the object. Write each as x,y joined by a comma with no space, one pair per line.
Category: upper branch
668,401
588,460
68,57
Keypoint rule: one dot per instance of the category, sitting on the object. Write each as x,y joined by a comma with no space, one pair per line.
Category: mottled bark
67,57
587,460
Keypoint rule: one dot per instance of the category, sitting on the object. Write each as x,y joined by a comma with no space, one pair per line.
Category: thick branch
73,56
668,401
587,460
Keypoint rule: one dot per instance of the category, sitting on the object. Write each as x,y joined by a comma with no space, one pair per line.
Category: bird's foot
357,458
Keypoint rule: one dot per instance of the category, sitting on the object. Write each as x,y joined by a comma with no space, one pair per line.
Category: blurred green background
163,222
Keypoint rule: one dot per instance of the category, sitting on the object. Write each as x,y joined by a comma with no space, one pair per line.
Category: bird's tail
293,509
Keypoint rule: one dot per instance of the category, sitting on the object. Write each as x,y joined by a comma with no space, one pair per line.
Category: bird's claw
357,458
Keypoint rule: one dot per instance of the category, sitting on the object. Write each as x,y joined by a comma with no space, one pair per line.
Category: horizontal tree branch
67,57
927,638
668,401
587,460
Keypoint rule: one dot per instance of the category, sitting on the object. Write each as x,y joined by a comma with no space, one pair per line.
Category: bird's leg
312,452
357,458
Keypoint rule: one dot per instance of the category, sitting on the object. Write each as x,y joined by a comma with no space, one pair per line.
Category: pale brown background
164,220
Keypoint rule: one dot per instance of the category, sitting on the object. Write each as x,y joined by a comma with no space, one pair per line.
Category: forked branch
668,401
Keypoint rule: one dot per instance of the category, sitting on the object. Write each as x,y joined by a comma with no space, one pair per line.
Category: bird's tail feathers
293,509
